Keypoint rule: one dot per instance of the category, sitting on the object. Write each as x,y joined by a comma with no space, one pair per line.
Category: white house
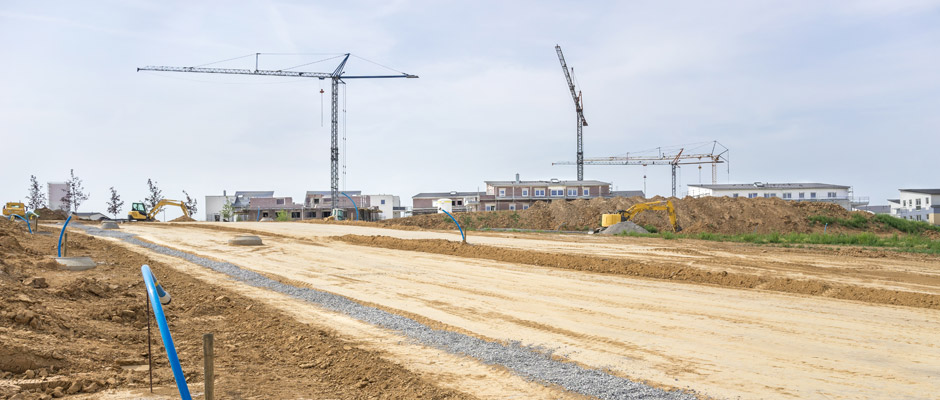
387,204
57,190
838,194
920,205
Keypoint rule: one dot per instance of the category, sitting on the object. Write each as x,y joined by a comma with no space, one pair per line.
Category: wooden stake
209,361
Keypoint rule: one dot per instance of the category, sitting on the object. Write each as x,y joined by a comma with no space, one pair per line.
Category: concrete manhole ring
245,240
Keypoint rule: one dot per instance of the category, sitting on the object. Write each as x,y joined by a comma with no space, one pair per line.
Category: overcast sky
843,92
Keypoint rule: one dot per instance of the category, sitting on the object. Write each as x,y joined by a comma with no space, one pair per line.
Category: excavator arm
628,214
156,209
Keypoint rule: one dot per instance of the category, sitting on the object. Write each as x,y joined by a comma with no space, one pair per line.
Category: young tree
36,198
190,204
227,210
155,194
74,193
115,204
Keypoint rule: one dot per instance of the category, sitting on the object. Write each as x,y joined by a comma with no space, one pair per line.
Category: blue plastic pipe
154,290
354,205
62,232
24,219
462,236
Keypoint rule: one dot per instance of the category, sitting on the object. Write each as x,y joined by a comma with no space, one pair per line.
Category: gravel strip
531,363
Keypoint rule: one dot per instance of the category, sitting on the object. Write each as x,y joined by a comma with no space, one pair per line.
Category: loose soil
707,214
658,270
46,214
183,218
68,333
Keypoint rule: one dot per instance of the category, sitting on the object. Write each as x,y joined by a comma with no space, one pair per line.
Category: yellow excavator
14,208
139,211
628,214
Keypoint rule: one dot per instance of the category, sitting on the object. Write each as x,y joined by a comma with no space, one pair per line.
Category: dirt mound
183,218
51,215
709,214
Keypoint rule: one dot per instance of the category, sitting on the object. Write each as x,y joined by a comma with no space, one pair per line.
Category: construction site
520,289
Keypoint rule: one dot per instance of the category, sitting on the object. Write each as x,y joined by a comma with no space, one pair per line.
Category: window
525,192
788,195
927,200
459,202
917,202
751,195
812,195
217,217
502,192
586,192
295,214
735,195
490,208
316,201
539,192
831,195
512,207
382,202
802,195
573,192
280,201
264,215
525,206
558,192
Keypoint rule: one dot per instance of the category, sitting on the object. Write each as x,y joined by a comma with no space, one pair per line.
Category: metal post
673,180
209,365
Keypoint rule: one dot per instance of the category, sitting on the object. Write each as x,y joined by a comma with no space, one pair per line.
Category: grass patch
909,242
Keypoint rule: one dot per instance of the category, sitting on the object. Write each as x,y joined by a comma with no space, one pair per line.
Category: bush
650,228
283,215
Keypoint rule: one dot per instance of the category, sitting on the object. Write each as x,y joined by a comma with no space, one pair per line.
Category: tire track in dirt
663,271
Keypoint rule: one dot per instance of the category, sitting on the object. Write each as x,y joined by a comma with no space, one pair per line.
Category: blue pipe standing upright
354,205
462,236
154,291
62,232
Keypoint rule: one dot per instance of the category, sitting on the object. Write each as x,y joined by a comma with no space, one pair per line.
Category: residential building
920,205
520,195
895,205
239,201
514,195
822,192
57,190
423,203
389,206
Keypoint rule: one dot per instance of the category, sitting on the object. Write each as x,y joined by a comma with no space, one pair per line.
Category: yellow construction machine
628,214
14,208
139,211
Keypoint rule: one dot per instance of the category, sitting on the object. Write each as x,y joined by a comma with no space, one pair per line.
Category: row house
520,195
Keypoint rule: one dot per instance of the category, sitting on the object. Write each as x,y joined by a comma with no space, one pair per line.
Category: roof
768,185
330,193
924,191
250,194
444,194
627,193
894,201
546,183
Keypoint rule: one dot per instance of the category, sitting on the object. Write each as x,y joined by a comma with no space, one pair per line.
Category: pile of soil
65,333
723,215
47,214
183,218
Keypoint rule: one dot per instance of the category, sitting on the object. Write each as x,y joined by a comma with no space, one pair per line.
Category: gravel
532,363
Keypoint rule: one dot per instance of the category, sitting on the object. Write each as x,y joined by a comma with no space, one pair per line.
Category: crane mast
578,106
337,77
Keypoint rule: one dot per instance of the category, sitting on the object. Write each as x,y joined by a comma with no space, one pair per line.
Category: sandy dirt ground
721,342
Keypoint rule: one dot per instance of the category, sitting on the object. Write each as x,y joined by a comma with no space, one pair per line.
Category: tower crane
674,156
337,77
579,109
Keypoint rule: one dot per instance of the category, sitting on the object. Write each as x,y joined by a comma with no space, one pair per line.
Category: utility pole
337,77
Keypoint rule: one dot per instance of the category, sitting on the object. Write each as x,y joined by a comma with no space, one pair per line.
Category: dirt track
721,342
